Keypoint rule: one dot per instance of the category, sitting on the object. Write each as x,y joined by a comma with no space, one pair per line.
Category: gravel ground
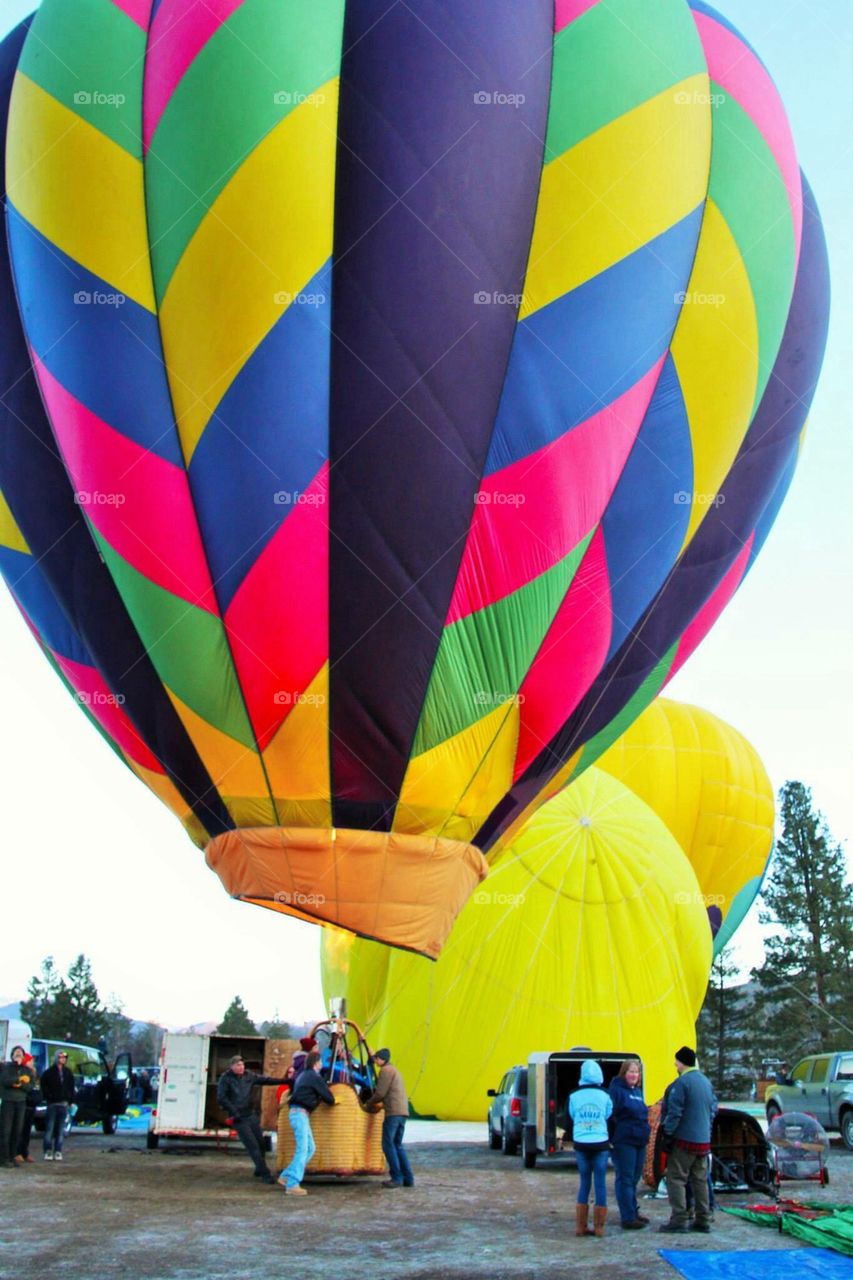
114,1209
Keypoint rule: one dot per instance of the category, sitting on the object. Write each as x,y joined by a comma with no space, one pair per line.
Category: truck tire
109,1124
772,1112
509,1146
528,1147
847,1129
152,1140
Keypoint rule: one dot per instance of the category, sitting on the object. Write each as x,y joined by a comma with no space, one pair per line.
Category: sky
94,863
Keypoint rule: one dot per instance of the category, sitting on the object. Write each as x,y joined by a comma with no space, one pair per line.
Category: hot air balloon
366,433
590,930
708,784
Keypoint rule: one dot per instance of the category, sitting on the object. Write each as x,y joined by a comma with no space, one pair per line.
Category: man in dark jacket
57,1086
390,1091
16,1080
234,1095
308,1092
690,1110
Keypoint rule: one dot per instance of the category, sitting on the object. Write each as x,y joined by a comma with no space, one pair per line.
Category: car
102,1091
822,1086
508,1110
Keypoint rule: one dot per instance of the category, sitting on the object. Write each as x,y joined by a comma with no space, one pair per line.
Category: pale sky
94,863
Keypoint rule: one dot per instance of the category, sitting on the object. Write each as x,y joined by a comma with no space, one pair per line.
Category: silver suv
508,1111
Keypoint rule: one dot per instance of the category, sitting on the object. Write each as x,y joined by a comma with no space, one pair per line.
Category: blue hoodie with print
590,1108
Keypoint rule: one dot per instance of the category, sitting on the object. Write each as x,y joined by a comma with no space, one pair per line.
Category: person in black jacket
629,1136
308,1092
234,1095
57,1086
16,1080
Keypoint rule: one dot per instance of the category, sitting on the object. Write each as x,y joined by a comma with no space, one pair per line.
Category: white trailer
190,1068
12,1032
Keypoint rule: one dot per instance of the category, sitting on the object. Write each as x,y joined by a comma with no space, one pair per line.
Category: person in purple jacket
629,1135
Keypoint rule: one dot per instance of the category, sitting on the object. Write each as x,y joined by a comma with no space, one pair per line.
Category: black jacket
57,1084
234,1093
310,1090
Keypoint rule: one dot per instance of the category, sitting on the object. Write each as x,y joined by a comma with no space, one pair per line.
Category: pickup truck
822,1086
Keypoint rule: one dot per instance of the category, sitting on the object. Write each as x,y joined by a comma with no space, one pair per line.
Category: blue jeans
54,1125
399,1169
628,1162
300,1123
592,1166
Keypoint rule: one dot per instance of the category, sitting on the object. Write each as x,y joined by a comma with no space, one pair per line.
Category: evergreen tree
276,1029
66,1008
118,1033
805,980
236,1021
724,1045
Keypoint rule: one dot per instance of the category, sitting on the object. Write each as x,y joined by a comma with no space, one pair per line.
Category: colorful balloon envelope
394,399
590,930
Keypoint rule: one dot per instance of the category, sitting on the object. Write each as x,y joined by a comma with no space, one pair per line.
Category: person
16,1081
781,1075
687,1121
57,1086
629,1134
234,1095
22,1155
589,1110
308,1092
306,1044
390,1091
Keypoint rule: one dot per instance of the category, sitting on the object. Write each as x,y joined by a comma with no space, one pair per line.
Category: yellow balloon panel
707,783
589,930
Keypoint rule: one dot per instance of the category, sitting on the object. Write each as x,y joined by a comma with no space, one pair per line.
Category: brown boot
599,1217
582,1220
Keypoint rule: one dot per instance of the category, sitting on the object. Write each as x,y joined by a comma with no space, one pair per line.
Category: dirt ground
113,1209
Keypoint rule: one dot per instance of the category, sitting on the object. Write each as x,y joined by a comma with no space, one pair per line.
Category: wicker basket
649,1166
349,1140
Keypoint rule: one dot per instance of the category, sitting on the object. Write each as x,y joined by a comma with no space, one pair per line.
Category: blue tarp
760,1264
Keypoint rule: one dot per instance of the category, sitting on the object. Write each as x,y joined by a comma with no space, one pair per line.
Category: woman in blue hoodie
589,1110
629,1133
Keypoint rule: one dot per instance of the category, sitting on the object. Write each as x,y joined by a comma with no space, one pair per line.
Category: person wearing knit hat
687,1121
16,1081
390,1092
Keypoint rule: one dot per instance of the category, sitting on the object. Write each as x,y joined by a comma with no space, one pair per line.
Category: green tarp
833,1230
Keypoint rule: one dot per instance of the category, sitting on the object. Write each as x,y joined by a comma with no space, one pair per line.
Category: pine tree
87,1018
276,1029
805,979
119,1026
724,1047
66,1008
236,1021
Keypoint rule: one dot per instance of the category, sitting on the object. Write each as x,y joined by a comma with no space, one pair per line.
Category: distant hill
13,1010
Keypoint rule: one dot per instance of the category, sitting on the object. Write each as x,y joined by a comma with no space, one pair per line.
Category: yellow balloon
709,786
590,929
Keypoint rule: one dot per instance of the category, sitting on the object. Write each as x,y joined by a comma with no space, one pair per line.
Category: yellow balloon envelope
709,786
589,930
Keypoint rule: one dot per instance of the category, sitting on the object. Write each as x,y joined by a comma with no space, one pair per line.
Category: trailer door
181,1098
